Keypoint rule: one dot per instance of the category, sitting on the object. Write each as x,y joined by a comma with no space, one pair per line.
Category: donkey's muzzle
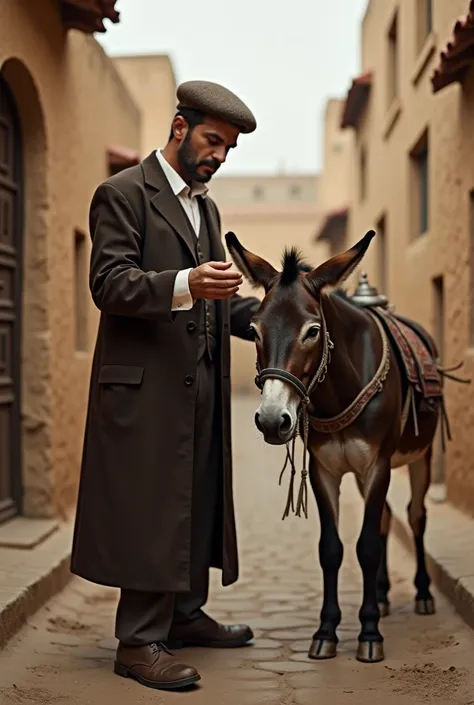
275,427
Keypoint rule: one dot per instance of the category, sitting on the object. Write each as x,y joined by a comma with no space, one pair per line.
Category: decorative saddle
419,363
415,348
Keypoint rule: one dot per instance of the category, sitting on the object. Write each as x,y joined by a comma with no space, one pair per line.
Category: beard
189,163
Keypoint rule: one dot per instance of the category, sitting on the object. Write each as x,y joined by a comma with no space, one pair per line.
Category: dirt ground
65,654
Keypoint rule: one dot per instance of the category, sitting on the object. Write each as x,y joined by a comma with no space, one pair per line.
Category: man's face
204,148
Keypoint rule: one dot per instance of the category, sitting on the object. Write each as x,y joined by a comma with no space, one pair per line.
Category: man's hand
214,280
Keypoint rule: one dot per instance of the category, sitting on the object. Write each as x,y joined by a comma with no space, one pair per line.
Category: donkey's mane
293,263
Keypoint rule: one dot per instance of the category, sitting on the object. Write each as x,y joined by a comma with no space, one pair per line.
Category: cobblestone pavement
65,653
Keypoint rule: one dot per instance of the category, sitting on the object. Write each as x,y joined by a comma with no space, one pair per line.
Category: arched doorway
11,237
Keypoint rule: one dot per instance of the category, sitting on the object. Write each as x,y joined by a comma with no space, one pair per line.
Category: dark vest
207,336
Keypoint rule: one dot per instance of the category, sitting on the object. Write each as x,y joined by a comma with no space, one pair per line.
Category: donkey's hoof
384,609
322,649
370,651
425,606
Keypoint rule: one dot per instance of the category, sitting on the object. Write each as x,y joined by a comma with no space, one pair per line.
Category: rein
331,425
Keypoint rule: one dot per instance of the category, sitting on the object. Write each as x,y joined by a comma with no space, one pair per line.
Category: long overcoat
133,520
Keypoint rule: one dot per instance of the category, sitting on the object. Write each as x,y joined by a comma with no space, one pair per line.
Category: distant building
265,190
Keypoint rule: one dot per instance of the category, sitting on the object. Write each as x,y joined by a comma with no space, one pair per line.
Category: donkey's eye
253,335
312,332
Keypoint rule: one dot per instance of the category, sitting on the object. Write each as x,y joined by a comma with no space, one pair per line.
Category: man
155,507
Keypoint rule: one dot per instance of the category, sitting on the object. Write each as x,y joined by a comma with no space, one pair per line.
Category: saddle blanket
420,368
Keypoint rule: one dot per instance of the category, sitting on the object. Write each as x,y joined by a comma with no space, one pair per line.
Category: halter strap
275,373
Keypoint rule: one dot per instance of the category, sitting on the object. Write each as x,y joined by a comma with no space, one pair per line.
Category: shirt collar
177,183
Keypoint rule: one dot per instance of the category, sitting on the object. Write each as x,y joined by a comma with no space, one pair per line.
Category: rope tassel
302,502
290,458
290,502
302,499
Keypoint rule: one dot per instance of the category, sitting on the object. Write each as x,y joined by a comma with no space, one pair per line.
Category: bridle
295,382
302,415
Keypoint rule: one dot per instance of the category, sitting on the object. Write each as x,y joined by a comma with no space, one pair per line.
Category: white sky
285,63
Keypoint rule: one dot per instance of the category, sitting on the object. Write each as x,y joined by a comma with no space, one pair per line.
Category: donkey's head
289,329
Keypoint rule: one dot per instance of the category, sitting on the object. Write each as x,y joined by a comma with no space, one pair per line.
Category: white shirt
182,299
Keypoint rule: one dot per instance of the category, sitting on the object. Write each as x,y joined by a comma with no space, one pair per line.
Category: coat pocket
120,402
121,374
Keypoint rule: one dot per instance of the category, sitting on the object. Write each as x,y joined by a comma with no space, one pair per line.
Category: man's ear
256,270
180,127
332,273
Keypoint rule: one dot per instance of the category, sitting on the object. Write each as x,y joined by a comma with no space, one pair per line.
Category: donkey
328,369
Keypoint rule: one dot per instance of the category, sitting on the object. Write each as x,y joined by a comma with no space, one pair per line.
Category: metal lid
367,295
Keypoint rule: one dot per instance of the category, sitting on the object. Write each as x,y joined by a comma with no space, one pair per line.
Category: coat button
188,380
191,326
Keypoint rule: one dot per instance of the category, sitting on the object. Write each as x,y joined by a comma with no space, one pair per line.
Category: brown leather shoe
153,666
206,632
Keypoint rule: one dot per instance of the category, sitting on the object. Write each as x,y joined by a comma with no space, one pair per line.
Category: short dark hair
193,118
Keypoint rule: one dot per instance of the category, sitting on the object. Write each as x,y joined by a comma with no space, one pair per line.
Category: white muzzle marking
277,400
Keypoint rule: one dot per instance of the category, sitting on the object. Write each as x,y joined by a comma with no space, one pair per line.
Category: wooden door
11,226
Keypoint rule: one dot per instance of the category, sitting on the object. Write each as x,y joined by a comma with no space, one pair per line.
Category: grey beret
216,101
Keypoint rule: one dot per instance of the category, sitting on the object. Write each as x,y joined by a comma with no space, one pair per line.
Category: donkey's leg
420,472
326,490
383,580
369,554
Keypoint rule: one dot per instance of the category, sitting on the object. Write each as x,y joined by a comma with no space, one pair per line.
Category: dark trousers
146,617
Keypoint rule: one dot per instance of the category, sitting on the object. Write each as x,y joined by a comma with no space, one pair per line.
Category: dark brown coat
133,519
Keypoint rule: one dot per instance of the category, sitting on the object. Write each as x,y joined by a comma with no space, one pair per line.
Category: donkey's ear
331,274
256,270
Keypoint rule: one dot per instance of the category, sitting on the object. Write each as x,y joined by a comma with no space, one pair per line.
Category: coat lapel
214,230
166,203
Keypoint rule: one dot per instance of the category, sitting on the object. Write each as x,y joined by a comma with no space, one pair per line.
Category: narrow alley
65,654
